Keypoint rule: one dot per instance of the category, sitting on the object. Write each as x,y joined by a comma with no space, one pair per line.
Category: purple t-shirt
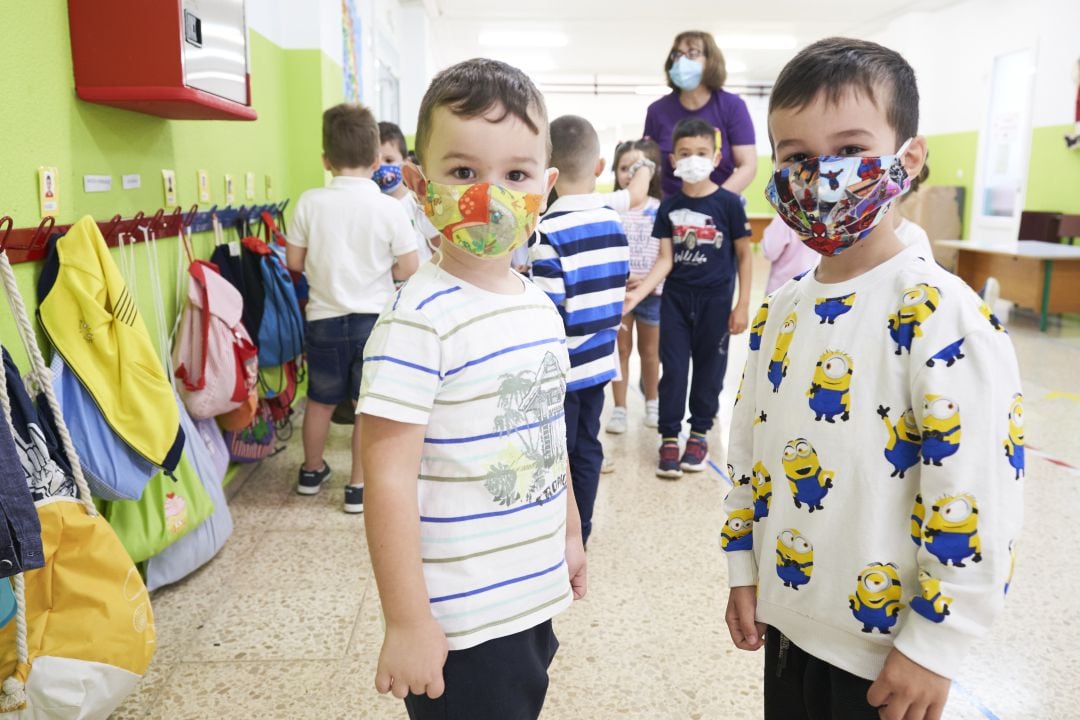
725,111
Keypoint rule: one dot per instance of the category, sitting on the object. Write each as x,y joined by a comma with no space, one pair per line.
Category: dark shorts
648,310
335,357
502,679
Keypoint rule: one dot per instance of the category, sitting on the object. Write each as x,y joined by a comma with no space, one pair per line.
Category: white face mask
693,169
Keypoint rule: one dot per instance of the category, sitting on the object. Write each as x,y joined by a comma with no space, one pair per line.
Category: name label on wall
97,183
131,182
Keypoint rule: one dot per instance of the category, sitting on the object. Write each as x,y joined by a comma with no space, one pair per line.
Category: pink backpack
215,358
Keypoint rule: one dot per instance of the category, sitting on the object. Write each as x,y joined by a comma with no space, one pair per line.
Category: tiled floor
285,622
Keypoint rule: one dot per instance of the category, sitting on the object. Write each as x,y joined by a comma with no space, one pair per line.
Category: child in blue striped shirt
581,259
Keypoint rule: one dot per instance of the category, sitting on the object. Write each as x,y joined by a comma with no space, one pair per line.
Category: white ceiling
628,39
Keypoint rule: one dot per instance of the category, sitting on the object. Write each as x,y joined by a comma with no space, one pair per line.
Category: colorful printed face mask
686,73
832,202
387,177
484,219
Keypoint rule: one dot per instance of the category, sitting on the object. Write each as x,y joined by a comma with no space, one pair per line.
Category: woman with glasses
696,74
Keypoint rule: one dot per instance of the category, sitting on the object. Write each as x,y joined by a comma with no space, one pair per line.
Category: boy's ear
671,157
600,164
915,156
717,155
551,176
326,163
414,179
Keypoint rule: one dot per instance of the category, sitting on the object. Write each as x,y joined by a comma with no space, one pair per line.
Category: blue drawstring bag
113,470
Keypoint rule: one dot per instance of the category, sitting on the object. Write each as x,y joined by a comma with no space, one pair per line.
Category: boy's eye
852,150
463,173
516,176
796,157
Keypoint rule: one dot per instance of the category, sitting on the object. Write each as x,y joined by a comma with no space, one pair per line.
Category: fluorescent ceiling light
756,41
519,39
735,67
652,90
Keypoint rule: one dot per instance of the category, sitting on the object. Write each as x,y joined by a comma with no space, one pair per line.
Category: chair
1043,226
1069,229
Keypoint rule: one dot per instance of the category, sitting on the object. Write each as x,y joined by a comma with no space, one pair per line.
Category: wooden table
1032,273
758,223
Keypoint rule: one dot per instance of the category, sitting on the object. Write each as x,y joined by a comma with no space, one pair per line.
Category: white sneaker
608,466
652,413
617,424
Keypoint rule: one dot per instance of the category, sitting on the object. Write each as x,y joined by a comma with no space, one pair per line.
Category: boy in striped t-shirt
474,535
581,260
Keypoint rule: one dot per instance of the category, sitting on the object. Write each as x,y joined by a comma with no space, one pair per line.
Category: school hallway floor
285,622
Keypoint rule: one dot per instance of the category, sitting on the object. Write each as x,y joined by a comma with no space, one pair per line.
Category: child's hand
577,566
412,660
739,320
907,690
633,281
631,302
745,631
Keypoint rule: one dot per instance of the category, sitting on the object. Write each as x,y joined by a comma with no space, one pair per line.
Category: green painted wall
1054,173
952,162
44,123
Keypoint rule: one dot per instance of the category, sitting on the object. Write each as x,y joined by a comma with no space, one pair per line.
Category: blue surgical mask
387,177
686,73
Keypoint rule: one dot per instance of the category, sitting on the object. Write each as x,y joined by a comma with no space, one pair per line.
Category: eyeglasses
693,53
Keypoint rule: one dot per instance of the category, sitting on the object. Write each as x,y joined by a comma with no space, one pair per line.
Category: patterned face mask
387,177
484,219
832,202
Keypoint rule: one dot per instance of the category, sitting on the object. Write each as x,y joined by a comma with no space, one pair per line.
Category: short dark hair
390,132
835,65
714,72
472,88
693,127
575,147
651,151
350,136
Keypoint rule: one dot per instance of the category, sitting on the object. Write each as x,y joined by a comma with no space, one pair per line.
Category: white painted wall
953,51
299,24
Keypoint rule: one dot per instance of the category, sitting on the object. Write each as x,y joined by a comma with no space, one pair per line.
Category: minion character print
952,531
1012,565
918,517
778,365
940,429
948,354
761,484
904,443
738,531
794,558
916,306
809,482
991,318
830,388
876,602
1014,443
932,604
757,327
828,309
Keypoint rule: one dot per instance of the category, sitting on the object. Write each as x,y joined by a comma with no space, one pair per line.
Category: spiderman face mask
833,201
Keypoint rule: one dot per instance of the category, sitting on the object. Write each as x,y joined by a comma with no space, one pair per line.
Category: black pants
692,326
502,679
583,408
798,686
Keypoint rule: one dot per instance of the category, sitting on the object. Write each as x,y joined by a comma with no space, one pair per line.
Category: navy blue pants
692,326
583,408
799,686
502,679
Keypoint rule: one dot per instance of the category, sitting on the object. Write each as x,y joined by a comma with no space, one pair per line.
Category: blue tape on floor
721,473
986,712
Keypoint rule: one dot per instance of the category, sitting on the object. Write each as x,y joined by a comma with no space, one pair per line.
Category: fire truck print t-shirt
703,232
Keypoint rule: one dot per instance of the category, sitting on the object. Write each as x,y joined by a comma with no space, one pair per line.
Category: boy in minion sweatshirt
867,575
